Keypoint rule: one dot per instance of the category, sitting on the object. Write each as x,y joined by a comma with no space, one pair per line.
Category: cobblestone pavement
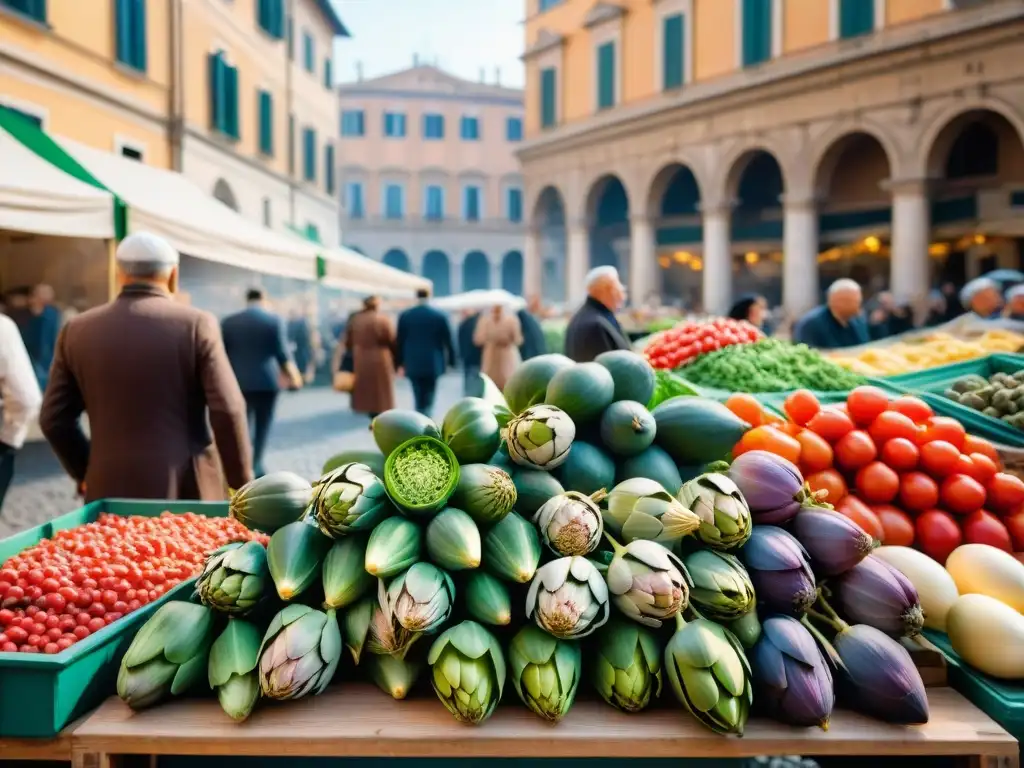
311,426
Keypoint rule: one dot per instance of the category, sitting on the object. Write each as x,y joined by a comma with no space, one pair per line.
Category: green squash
582,391
272,501
534,487
471,430
587,470
654,464
394,427
627,428
633,375
696,430
529,383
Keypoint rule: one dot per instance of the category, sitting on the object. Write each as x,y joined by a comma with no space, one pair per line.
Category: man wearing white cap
982,296
1015,303
151,374
594,328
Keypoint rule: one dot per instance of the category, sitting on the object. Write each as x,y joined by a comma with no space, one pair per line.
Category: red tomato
890,425
918,492
1005,493
855,450
939,458
831,424
984,468
974,445
831,482
901,454
801,406
746,408
918,410
877,483
865,404
775,441
815,452
1014,524
981,527
937,534
897,525
945,428
962,494
861,514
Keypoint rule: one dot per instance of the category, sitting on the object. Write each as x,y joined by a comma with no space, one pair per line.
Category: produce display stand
56,750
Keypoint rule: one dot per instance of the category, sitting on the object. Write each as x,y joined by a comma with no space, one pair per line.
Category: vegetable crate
39,695
1001,700
776,400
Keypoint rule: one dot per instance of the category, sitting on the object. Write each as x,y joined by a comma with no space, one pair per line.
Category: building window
130,23
270,17
469,128
309,154
313,233
515,204
394,125
471,203
606,75
223,96
328,74
757,31
856,18
34,9
267,221
394,201
35,120
433,126
266,122
329,169
354,200
308,52
547,5
548,97
353,122
434,205
514,129
132,152
673,48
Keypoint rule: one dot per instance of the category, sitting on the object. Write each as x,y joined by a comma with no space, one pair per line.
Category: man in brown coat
147,370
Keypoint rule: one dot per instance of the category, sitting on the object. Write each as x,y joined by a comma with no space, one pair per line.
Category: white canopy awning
38,197
348,270
168,204
479,300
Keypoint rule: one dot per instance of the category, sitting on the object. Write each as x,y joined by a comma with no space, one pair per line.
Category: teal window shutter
548,97
329,169
515,205
328,75
35,9
757,31
673,41
231,127
856,18
309,154
270,17
130,33
216,67
606,76
266,107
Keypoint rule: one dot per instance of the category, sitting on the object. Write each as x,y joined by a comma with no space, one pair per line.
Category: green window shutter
130,33
122,24
606,76
35,9
856,17
231,126
328,75
266,102
216,88
329,169
757,31
673,71
309,154
548,98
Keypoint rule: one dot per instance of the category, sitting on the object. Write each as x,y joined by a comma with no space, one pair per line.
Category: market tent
168,204
344,268
479,300
38,197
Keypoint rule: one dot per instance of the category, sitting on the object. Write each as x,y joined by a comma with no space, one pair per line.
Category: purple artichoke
791,676
835,542
772,486
779,570
881,679
879,595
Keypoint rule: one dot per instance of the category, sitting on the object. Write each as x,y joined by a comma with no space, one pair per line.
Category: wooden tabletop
57,749
359,720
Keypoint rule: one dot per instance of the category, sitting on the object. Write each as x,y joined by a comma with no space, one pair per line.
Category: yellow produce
979,569
988,635
935,587
929,351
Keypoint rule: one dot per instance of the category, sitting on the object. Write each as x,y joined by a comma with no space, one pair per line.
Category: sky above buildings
461,36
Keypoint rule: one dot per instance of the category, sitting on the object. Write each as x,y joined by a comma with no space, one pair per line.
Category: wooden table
58,749
359,721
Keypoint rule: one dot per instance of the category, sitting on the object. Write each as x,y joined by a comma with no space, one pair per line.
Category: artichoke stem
824,619
598,496
830,615
693,609
619,549
826,646
680,621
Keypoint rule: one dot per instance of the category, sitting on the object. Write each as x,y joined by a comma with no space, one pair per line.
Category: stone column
455,275
800,286
717,288
910,276
495,265
532,266
577,261
642,260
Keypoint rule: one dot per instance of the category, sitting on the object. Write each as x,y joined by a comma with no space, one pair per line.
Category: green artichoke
387,636
512,549
168,655
724,515
232,668
344,575
571,524
721,589
420,475
421,599
468,671
640,508
393,547
487,599
647,582
710,674
294,555
485,492
355,626
349,498
234,578
453,540
568,598
300,652
545,672
540,437
394,676
627,666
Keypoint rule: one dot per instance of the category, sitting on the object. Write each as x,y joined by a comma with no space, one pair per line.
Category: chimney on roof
497,75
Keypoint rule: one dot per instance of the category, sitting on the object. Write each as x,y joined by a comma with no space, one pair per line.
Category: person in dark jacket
837,323
594,328
534,343
301,340
41,330
425,350
257,346
470,355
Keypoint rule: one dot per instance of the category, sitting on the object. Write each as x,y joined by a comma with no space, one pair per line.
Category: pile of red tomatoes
677,346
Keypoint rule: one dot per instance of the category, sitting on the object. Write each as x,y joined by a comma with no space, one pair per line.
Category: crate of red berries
74,591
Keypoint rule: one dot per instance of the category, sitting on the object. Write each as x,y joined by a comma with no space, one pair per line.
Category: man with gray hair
839,322
153,377
983,296
594,328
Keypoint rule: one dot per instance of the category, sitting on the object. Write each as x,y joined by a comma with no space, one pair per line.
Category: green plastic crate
1001,700
40,695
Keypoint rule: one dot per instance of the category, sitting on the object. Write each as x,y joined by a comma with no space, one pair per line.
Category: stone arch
222,191
476,272
548,205
548,219
940,135
398,259
512,272
853,171
437,268
829,149
671,189
607,216
673,205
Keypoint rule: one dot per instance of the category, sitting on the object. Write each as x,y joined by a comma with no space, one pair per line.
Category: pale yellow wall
714,38
805,24
639,80
314,105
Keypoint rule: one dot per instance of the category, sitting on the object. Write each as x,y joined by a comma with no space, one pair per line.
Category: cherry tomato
831,482
984,469
861,514
877,483
830,423
746,408
962,494
890,425
981,527
937,534
939,458
918,492
1015,525
918,410
1005,493
815,452
854,450
766,438
801,406
897,525
945,428
865,404
974,445
901,454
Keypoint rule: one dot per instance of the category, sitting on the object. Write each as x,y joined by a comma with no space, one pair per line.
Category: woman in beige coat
499,335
